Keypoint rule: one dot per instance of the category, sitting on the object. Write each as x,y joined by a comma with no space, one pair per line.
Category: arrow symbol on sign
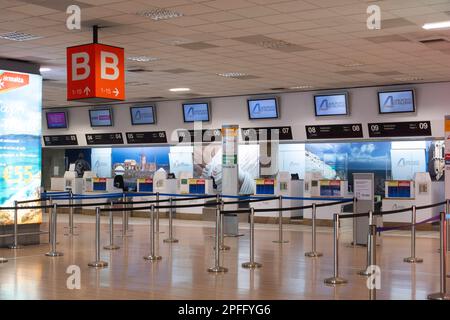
116,92
86,90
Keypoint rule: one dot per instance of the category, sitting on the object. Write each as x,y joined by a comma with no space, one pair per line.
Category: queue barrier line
409,225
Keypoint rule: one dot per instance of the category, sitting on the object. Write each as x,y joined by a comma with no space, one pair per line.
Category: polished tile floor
181,274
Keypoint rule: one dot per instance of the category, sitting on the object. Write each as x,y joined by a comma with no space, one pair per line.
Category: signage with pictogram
95,71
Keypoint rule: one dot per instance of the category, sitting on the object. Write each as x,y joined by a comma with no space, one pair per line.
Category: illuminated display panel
20,143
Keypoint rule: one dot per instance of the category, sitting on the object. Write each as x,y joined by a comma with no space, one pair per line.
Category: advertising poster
20,143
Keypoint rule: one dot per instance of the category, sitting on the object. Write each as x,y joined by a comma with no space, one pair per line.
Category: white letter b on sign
80,65
111,65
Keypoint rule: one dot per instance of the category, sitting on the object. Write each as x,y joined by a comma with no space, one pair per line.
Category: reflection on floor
181,274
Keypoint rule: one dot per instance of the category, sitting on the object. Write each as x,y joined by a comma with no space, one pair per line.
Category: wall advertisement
20,143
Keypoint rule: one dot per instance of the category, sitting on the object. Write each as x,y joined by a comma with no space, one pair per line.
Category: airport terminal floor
224,158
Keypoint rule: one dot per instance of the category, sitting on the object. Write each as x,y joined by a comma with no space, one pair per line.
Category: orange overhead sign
95,71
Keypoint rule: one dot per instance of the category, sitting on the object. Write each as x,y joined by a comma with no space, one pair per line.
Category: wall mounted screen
195,112
57,120
331,105
396,101
143,115
100,117
262,108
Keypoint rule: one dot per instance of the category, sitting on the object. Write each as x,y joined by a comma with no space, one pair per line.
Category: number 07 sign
95,71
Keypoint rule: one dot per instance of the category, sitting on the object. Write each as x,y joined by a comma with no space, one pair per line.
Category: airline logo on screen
193,113
13,80
392,102
258,108
328,105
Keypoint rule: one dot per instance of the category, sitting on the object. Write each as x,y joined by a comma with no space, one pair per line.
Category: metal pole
412,258
50,221
171,239
157,214
125,199
354,222
280,222
97,263
252,264
53,230
373,260
366,272
222,232
217,267
71,213
313,253
111,245
152,256
15,244
442,294
336,279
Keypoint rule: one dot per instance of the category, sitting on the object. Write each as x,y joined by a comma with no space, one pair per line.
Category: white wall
297,110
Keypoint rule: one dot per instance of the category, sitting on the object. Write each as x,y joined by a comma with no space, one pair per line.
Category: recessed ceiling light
232,74
354,64
44,69
179,89
436,25
19,36
408,79
142,58
301,87
160,14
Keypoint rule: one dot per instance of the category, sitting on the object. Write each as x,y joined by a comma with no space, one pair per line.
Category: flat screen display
396,101
331,105
56,120
100,117
262,108
143,115
196,112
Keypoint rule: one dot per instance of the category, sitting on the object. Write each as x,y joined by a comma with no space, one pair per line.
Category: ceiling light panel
160,14
142,59
19,36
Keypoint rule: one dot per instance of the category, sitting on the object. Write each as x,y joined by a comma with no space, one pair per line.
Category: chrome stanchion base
313,254
111,247
364,273
251,265
98,264
218,269
170,240
224,247
231,235
3,260
335,281
438,296
14,247
152,257
278,241
413,260
54,254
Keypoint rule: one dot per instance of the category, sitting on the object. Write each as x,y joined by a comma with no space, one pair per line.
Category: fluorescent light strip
436,25
179,89
142,59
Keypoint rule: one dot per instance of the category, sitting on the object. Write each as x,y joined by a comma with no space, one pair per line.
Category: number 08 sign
95,71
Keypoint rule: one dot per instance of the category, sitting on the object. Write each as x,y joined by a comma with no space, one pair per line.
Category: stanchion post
354,222
252,264
373,259
50,220
171,239
111,245
313,253
412,258
157,214
336,279
217,267
152,256
366,272
280,222
53,231
15,244
222,231
71,212
97,263
442,294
